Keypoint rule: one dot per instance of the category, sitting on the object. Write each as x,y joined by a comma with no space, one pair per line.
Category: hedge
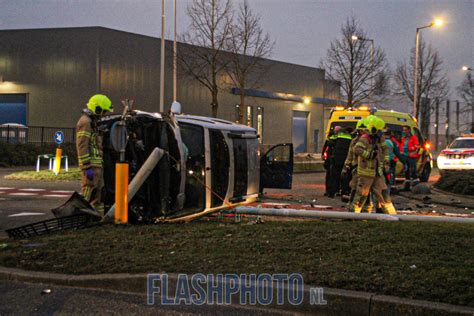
27,154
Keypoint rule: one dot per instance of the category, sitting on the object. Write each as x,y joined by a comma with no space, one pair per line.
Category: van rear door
276,167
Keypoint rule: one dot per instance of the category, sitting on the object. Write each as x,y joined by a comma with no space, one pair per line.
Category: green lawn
46,175
414,260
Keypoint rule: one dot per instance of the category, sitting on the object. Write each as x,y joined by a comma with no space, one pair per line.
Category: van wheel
425,174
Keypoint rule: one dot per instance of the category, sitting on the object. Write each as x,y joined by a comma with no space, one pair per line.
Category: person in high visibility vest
89,149
372,162
394,155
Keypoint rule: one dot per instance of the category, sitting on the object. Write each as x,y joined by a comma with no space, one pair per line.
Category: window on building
13,109
237,113
249,116
260,124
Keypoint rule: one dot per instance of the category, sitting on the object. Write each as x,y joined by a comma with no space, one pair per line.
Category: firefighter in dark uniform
89,150
339,155
327,156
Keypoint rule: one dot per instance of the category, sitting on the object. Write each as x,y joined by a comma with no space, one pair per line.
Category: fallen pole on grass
313,214
349,215
439,219
139,178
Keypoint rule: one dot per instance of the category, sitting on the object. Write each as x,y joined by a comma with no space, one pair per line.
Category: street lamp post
417,48
162,70
469,69
174,56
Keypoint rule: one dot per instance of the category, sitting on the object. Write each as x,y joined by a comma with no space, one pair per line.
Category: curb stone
339,302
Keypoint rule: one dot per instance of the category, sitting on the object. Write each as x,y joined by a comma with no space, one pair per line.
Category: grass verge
413,260
46,175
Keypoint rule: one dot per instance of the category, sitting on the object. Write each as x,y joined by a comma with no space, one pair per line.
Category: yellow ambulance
395,121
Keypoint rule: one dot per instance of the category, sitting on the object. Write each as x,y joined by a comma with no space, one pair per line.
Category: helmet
100,103
362,124
375,124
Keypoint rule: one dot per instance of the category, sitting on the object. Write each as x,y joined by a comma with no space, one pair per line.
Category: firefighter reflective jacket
366,166
351,160
88,142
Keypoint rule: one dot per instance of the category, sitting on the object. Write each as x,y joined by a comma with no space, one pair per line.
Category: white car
459,155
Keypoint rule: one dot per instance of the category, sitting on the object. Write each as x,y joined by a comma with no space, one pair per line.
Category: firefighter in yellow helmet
350,165
89,149
372,160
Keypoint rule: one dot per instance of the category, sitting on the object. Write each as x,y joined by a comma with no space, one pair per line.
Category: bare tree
466,91
361,70
207,35
432,81
249,44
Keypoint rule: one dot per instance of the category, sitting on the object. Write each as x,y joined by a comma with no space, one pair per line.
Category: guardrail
34,134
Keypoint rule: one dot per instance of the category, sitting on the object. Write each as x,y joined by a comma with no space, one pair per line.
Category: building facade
47,76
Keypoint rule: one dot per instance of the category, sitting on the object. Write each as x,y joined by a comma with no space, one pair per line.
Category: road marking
25,214
22,193
32,190
61,191
7,188
2,192
56,195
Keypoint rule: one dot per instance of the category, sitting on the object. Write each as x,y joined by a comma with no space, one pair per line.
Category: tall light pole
162,70
469,69
417,48
372,53
174,56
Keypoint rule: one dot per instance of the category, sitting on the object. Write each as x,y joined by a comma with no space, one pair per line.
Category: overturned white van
209,165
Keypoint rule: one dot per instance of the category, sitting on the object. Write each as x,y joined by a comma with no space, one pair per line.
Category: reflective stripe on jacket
88,143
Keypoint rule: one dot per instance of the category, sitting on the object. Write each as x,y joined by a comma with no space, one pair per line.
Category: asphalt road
27,299
24,202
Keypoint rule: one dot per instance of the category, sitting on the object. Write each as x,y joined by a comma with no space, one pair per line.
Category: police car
459,155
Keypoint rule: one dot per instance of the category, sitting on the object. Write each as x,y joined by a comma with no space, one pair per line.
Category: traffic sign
59,137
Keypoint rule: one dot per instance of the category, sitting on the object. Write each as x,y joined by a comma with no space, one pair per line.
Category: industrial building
47,76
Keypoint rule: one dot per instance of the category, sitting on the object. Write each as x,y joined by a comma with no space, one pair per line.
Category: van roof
357,114
378,112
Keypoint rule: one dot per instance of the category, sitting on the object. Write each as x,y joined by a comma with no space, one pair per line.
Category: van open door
276,167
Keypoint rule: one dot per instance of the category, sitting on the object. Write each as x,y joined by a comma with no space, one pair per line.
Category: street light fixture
437,23
466,68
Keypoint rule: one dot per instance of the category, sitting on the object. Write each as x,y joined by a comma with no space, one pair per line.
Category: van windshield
344,125
393,127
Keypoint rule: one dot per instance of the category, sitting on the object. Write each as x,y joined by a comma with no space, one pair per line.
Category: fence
39,135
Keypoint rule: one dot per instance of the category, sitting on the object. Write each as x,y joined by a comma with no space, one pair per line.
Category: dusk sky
302,29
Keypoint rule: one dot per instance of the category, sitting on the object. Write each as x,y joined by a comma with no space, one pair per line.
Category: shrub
26,154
